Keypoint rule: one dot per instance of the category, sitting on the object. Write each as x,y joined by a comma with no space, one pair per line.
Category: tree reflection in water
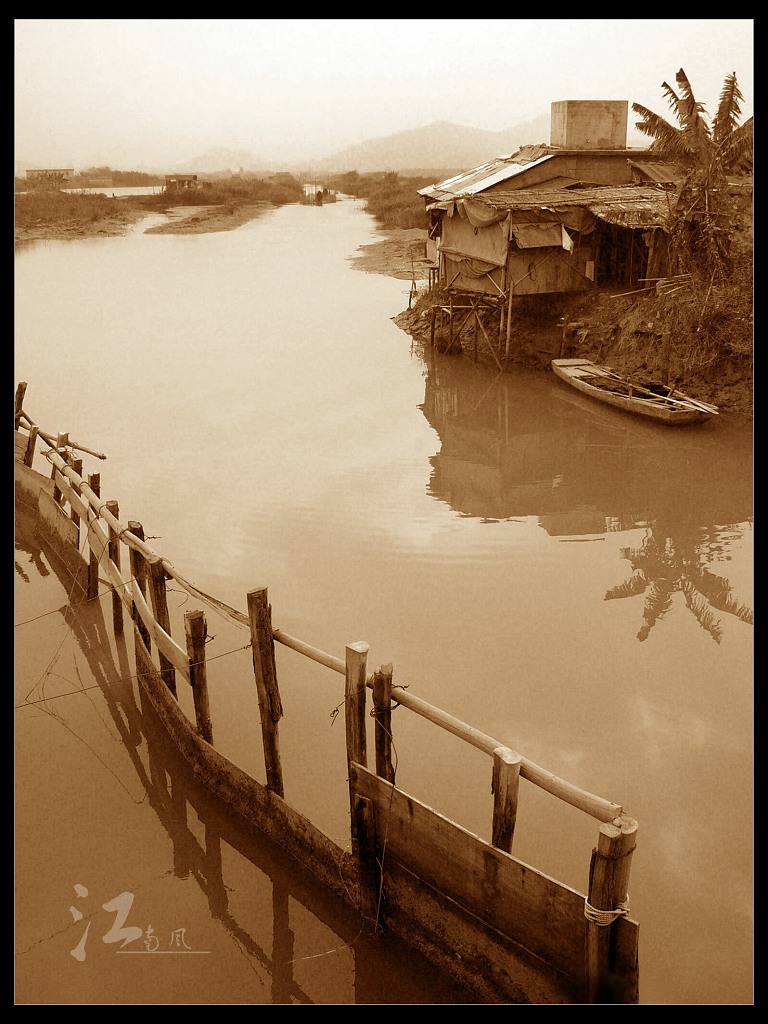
662,567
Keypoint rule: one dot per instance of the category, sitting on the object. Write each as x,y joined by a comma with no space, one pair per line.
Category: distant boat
660,402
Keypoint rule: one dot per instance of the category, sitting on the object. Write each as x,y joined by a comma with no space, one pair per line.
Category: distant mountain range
441,146
418,151
438,145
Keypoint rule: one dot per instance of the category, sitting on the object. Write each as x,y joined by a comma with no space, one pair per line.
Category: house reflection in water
519,445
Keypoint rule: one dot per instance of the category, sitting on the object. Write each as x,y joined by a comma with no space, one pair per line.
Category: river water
572,582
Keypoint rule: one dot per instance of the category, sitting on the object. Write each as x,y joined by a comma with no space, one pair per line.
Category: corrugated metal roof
480,178
636,206
664,174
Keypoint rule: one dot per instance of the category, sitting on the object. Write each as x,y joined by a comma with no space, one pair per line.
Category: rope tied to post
603,918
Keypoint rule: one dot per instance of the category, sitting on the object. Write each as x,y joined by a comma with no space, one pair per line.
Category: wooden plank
537,912
55,520
481,958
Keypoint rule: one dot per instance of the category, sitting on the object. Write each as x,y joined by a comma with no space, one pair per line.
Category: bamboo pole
608,893
139,572
265,673
94,482
114,556
603,810
160,611
354,702
382,704
505,787
432,313
196,631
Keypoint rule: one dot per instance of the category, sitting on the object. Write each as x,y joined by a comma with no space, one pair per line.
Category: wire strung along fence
506,931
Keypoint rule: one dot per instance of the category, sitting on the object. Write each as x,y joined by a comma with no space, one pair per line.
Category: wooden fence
506,931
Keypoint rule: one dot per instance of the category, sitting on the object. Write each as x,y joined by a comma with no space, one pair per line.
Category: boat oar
605,372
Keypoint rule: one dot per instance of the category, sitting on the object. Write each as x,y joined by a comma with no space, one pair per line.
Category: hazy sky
148,93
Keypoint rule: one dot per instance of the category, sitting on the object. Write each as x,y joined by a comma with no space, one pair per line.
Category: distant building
176,182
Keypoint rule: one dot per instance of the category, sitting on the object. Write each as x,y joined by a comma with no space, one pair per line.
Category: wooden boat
659,402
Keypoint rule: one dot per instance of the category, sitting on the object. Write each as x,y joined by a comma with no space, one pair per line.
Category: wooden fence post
196,631
77,465
362,810
505,786
94,482
382,704
29,454
265,673
114,556
354,702
18,405
62,440
139,573
159,597
608,890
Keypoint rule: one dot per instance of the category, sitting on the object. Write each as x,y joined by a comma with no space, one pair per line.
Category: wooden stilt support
265,673
509,326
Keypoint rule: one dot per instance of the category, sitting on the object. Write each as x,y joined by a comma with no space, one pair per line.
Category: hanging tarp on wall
461,238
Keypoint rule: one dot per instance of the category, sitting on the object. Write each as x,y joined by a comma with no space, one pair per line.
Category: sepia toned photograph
383,535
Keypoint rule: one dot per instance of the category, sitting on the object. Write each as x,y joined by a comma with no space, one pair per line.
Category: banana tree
706,152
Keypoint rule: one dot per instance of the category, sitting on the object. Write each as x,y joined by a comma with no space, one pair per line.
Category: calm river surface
569,581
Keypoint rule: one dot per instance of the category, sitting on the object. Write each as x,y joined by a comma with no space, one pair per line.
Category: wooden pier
505,931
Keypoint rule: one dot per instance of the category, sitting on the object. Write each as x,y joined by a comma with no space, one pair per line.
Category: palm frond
736,151
719,593
668,141
672,99
657,604
728,110
636,584
702,614
693,124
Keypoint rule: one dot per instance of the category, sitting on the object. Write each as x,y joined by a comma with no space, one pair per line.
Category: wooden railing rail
147,578
598,807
